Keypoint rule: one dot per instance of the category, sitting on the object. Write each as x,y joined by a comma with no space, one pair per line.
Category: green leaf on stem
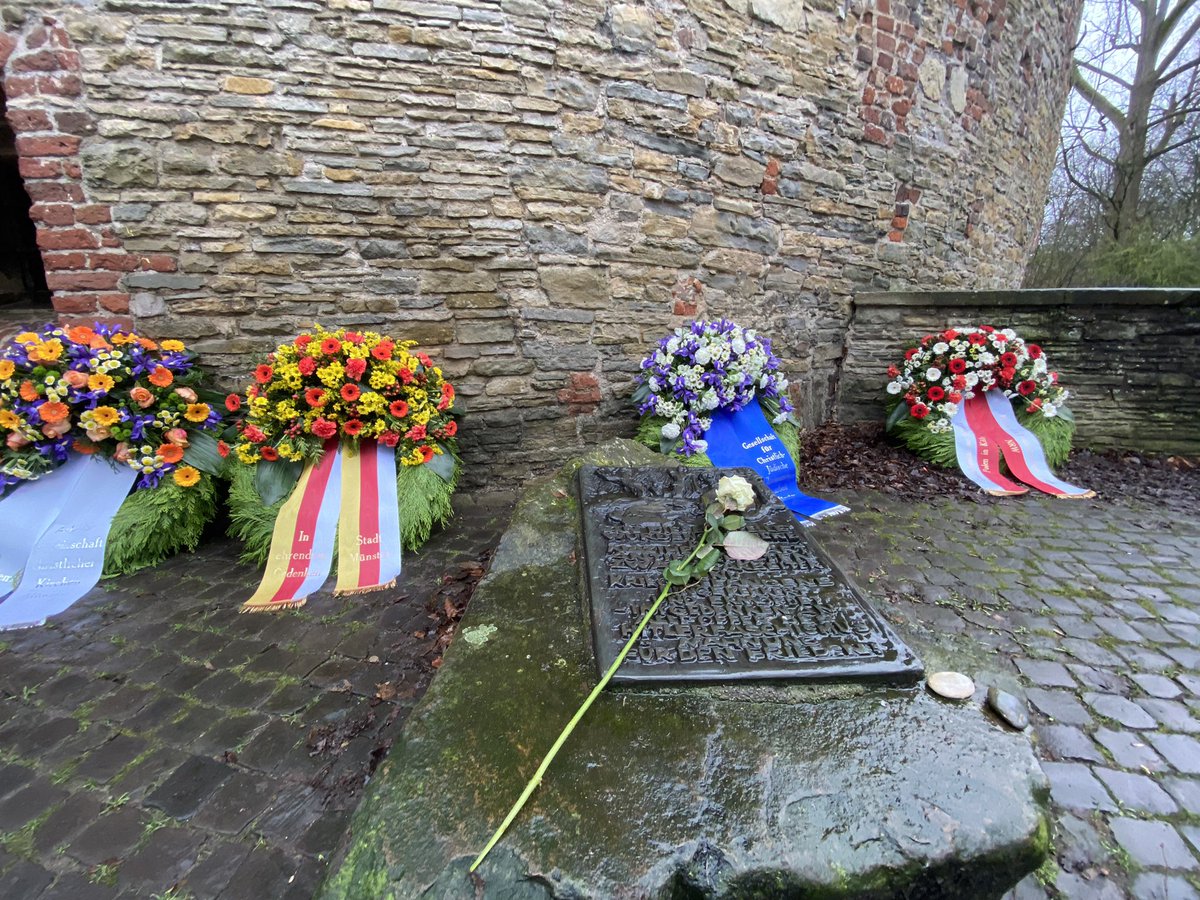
677,573
733,523
743,545
706,564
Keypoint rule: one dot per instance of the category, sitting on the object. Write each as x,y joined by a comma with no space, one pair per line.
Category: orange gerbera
170,453
53,411
6,369
28,392
186,476
147,344
350,392
85,447
161,376
105,416
100,382
196,412
80,334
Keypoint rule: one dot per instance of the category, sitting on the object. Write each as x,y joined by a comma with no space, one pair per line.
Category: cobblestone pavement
1090,610
154,743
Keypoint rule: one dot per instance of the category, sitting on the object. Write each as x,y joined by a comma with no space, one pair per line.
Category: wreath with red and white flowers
949,367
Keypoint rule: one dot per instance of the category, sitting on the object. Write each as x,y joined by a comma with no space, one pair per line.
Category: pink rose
75,379
141,396
177,436
16,441
98,433
121,453
187,394
56,429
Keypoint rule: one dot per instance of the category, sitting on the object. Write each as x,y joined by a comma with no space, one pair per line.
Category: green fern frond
154,524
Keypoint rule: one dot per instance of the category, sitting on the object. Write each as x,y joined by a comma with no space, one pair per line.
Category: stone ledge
1051,297
715,792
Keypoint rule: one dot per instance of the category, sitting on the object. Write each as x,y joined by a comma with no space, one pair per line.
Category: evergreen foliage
156,523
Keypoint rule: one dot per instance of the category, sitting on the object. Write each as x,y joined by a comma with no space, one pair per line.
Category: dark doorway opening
22,275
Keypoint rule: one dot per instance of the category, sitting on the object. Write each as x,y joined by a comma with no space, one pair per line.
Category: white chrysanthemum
670,431
987,358
941,347
1039,366
933,373
738,346
703,356
1049,410
894,387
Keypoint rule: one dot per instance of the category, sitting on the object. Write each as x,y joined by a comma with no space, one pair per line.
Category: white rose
703,357
735,492
738,346
670,431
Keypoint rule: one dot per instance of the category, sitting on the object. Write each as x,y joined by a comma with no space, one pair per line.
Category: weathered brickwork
1129,356
533,190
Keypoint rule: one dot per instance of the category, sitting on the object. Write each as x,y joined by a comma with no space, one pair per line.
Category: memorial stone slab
791,614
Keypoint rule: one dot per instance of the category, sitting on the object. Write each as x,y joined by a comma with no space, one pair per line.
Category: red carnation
976,338
350,392
314,397
233,403
425,360
1026,387
957,365
1008,360
254,434
954,396
416,433
999,338
307,365
1054,378
222,449
987,328
355,368
269,453
353,427
909,354
1034,406
959,381
406,376
323,428
354,337
919,410
936,393
893,371
426,451
263,373
398,408
303,341
450,429
389,439
1035,352
330,346
383,350
949,334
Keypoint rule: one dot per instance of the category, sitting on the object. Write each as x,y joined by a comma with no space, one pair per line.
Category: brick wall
535,191
1130,357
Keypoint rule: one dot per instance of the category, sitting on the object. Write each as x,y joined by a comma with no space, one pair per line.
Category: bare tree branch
1096,100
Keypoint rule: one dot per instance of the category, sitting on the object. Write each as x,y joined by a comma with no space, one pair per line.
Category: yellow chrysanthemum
172,346
247,454
6,369
100,382
380,379
186,476
331,375
196,412
105,416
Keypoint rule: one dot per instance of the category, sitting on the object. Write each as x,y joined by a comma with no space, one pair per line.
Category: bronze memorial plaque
789,615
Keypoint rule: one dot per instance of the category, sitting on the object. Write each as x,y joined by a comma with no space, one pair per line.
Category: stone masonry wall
533,189
1129,356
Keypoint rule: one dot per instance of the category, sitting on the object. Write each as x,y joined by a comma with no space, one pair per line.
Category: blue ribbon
745,439
28,511
69,557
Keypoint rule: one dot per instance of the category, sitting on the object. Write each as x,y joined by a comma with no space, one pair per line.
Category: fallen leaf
385,690
437,663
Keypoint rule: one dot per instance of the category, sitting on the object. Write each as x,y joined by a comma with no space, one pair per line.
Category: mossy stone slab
740,791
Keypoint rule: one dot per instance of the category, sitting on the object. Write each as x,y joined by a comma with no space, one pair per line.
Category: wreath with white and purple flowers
703,367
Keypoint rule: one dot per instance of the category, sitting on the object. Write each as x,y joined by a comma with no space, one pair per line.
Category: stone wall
1129,356
533,189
